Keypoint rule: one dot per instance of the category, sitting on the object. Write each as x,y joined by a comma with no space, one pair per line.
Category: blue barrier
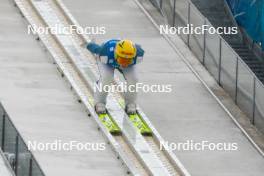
249,14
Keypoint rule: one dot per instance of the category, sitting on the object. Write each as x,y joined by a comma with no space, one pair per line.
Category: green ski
140,124
137,121
109,123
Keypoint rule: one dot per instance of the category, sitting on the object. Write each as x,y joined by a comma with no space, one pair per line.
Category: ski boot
100,108
131,109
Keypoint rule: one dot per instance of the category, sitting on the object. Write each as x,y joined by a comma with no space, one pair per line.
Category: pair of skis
112,126
114,129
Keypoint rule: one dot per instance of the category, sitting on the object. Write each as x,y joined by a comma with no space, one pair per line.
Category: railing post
253,44
254,101
174,13
16,155
3,133
236,80
204,44
220,61
30,167
188,23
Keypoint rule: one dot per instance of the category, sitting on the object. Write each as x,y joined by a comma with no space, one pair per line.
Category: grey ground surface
41,105
189,112
4,170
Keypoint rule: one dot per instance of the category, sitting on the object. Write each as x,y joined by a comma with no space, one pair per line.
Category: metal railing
218,57
15,150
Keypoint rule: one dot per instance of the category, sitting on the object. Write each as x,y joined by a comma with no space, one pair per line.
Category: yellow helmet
125,49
